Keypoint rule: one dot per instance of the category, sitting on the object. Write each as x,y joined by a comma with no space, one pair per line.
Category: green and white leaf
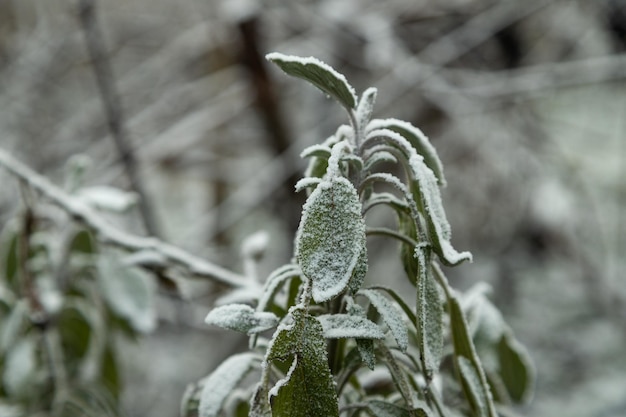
308,388
321,75
341,326
366,107
390,315
330,237
241,318
221,383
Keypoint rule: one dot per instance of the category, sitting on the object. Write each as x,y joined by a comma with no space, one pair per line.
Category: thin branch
113,109
105,232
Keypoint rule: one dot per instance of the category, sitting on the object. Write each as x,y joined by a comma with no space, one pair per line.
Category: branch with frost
165,255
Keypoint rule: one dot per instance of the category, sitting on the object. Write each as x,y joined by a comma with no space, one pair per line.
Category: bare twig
168,255
113,109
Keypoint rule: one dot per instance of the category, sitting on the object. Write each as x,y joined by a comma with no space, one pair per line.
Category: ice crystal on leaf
241,318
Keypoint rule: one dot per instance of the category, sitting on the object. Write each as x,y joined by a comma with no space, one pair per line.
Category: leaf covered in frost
339,326
331,237
391,316
366,106
241,318
321,75
308,388
129,291
222,381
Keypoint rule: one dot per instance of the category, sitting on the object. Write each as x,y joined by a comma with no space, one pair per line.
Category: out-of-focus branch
165,254
113,109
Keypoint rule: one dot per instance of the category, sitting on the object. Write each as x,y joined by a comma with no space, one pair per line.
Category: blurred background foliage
172,100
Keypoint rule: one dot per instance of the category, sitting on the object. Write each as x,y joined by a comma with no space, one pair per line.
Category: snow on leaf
321,75
429,316
366,106
472,387
417,139
391,316
358,276
308,388
241,318
108,198
307,182
341,326
220,384
330,237
129,291
19,367
317,150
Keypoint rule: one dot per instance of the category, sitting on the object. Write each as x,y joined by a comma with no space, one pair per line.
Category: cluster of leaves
340,348
64,302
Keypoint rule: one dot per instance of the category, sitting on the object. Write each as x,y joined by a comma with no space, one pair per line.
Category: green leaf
319,74
339,326
366,351
391,316
331,237
83,242
366,106
308,388
516,369
386,409
360,271
222,381
129,292
241,318
429,316
417,139
20,367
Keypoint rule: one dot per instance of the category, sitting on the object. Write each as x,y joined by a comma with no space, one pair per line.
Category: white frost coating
341,326
391,316
219,385
273,392
274,280
320,150
242,318
277,56
307,182
366,106
335,156
108,198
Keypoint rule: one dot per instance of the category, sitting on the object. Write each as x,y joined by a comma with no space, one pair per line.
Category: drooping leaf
241,318
338,326
330,237
429,316
391,316
516,369
129,292
472,387
417,139
319,74
222,381
308,388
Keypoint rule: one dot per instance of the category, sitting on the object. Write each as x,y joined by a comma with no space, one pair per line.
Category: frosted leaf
108,198
380,157
307,182
317,150
222,381
366,106
308,388
429,317
330,237
360,271
472,387
129,291
273,282
387,199
241,318
341,326
386,409
365,348
390,315
417,139
20,365
336,155
254,246
321,75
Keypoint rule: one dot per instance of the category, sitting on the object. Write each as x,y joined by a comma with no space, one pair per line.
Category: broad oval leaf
222,381
129,292
330,237
241,318
321,75
340,326
516,369
391,316
308,388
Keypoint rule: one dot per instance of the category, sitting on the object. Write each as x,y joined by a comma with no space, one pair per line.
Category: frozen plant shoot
337,348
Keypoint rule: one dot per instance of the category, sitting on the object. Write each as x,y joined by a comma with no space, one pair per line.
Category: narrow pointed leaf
331,237
339,326
321,75
223,381
308,388
241,318
391,316
366,106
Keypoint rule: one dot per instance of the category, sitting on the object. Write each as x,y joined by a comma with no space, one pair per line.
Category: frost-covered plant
339,348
